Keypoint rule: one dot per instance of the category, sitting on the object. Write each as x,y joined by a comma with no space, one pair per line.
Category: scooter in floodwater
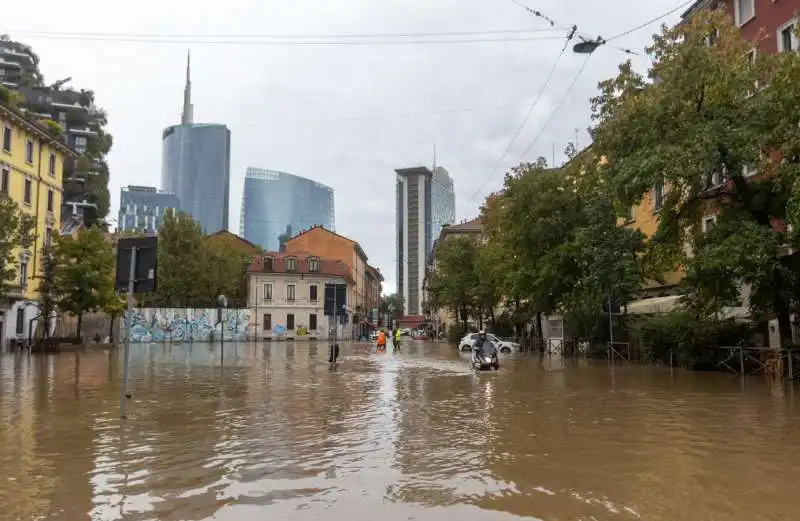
485,358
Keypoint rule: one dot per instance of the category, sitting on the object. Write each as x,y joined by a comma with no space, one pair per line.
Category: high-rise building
277,204
141,208
425,203
195,166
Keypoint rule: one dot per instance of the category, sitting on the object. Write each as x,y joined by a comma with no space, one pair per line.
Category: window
290,322
787,37
717,179
20,320
291,264
631,214
23,273
313,265
80,144
290,292
28,190
50,199
7,139
48,236
658,196
312,321
708,223
29,151
267,322
5,177
267,264
745,10
267,291
712,37
312,293
749,170
51,169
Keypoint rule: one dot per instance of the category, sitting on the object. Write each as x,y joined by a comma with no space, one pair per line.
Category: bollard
741,360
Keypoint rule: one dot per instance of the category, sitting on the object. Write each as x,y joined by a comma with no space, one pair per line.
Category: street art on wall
188,325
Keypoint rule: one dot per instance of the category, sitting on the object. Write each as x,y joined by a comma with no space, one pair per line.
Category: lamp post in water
222,303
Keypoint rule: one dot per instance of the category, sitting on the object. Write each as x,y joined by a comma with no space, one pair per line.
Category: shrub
692,340
455,332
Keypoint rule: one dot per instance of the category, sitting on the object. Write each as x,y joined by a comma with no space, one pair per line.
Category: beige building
286,294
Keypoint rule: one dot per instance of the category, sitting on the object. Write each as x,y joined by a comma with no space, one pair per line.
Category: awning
654,305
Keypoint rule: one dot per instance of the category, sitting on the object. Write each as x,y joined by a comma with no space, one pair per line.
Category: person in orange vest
381,341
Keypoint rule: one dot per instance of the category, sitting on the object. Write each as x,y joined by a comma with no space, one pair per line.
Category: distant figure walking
381,341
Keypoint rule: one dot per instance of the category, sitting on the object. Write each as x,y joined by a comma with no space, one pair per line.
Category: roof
37,129
226,233
327,267
472,226
697,6
418,170
355,244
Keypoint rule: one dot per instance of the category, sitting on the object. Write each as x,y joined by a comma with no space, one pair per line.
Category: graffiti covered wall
188,325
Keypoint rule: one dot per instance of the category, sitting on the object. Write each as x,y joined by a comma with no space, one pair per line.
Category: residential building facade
287,294
195,166
31,174
276,204
142,208
425,203
327,244
777,20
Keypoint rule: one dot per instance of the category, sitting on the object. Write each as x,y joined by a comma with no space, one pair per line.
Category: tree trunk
539,330
111,329
80,325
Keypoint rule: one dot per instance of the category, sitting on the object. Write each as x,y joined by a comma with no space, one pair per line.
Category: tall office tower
425,202
277,205
195,165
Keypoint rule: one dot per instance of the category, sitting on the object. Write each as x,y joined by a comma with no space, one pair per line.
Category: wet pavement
271,432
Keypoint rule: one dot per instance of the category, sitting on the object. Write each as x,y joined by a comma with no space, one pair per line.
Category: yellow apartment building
31,168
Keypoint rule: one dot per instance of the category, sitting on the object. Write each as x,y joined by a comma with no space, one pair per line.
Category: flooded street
271,432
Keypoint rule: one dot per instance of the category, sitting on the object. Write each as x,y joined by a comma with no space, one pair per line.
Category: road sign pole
123,392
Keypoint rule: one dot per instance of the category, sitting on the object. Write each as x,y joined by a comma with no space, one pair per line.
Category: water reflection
256,431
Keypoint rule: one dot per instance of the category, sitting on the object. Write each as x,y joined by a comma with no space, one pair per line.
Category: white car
502,346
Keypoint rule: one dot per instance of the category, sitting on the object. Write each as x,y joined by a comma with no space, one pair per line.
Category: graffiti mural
188,325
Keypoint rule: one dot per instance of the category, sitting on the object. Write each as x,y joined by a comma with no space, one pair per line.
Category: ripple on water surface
271,431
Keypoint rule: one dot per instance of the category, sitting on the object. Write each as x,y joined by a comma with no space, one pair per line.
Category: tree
48,301
180,256
115,307
83,278
453,284
393,304
15,228
490,272
714,117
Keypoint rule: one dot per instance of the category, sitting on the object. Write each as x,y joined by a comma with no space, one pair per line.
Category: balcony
82,131
19,56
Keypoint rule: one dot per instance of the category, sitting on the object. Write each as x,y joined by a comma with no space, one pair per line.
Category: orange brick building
366,293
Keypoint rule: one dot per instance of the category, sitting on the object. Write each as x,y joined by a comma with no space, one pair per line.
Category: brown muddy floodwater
272,433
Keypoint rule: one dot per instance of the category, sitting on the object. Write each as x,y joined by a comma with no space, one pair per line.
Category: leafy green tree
714,116
180,261
15,229
452,285
83,278
393,304
490,272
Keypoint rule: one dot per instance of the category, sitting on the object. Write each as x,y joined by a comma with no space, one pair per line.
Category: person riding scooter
484,353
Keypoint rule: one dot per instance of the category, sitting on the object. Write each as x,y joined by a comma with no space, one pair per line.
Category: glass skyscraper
141,208
425,202
196,166
276,204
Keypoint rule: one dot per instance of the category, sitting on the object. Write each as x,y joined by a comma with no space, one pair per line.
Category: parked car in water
504,346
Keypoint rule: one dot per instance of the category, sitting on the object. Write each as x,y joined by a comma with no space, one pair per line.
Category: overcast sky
343,115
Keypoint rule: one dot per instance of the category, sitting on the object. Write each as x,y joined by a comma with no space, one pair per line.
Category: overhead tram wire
549,119
310,43
282,36
535,102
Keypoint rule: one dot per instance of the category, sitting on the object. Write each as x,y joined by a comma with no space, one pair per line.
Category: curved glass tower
195,166
276,204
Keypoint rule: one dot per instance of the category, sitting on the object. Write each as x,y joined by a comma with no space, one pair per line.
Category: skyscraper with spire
195,165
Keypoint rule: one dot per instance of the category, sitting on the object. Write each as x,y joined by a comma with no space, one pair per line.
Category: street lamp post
222,302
